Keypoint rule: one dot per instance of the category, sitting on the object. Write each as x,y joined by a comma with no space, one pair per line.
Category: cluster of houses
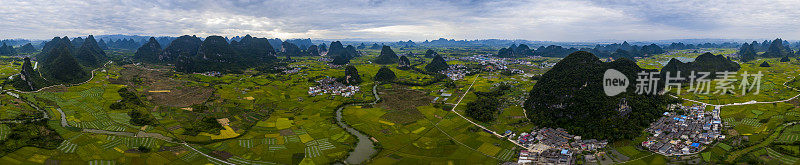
329,85
293,70
212,73
553,146
456,72
442,98
684,133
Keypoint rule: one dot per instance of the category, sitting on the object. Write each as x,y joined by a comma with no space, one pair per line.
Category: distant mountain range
304,43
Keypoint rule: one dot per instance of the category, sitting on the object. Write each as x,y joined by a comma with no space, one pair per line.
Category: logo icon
614,82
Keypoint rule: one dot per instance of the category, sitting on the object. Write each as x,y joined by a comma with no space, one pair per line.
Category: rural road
746,103
476,124
64,122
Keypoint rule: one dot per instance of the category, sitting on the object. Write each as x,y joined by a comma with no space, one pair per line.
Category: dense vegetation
58,65
385,75
387,56
485,107
149,52
404,63
437,64
747,53
7,50
29,79
33,134
764,64
571,96
515,51
135,107
214,54
27,48
430,53
89,54
351,76
777,49
706,62
340,54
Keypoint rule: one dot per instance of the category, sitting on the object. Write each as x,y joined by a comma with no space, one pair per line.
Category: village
554,146
684,133
456,72
329,85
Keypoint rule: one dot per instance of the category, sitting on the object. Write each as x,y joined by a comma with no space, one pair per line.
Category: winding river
364,148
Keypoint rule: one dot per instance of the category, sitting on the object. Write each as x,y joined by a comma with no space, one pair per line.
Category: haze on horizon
393,20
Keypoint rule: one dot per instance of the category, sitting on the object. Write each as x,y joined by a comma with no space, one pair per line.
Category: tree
351,76
340,60
385,75
387,56
437,64
485,108
482,109
140,117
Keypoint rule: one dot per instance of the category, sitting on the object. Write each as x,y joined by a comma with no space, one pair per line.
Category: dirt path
476,124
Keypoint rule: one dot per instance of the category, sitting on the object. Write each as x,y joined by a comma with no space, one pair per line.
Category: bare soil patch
154,83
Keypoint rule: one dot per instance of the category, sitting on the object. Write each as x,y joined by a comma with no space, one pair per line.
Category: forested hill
706,62
571,96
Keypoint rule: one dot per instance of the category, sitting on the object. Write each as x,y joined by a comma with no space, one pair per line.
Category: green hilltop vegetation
149,52
569,96
6,50
387,56
262,108
29,79
385,75
437,64
59,65
771,49
705,62
89,54
340,54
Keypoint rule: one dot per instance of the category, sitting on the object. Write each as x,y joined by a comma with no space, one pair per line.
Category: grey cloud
405,19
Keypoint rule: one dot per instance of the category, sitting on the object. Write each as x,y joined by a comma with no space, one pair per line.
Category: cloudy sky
546,20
